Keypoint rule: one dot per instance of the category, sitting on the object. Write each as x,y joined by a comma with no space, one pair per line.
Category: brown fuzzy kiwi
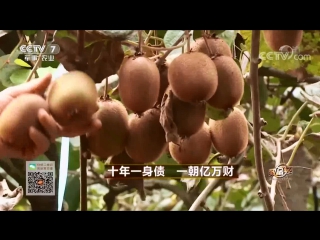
164,83
193,77
72,99
193,150
217,46
17,118
146,141
230,135
279,38
230,84
188,117
139,83
110,140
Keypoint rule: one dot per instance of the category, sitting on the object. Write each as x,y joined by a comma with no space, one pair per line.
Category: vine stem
36,65
299,142
255,99
292,120
186,33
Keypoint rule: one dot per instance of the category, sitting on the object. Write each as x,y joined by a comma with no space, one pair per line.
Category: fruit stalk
255,99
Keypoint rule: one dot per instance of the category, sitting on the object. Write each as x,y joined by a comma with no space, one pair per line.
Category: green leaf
263,90
228,36
45,70
8,67
21,63
74,155
2,53
171,37
197,34
214,113
161,33
72,193
19,76
30,32
273,121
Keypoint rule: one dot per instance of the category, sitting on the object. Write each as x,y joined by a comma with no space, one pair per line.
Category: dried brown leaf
102,56
8,198
166,119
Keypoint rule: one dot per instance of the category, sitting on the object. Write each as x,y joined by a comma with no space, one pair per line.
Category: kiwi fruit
217,47
193,150
111,138
276,39
193,77
188,117
230,84
139,83
72,99
146,141
230,135
17,118
164,83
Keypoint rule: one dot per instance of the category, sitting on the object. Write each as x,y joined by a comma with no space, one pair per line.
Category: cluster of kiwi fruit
131,130
71,100
195,78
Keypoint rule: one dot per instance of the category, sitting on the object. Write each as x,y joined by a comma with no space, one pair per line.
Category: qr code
40,183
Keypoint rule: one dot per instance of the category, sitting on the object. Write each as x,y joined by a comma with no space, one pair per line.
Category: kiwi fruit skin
193,77
139,83
217,47
193,150
230,84
164,83
73,98
230,135
146,141
111,138
17,118
275,39
188,117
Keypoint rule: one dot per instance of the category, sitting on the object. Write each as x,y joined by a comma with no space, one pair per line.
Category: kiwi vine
179,97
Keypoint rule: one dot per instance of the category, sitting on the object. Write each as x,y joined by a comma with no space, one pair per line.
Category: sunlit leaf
21,63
